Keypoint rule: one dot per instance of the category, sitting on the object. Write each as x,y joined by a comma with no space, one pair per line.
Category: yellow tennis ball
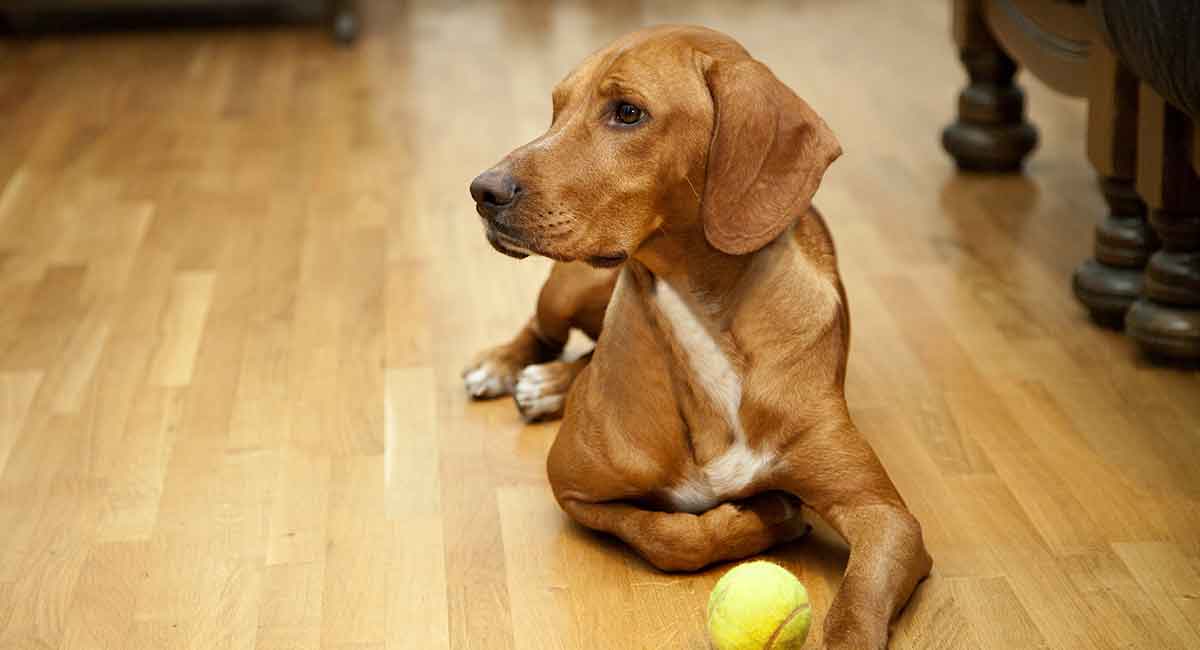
758,606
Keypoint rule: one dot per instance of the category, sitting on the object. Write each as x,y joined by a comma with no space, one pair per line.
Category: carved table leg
1166,319
1109,283
991,133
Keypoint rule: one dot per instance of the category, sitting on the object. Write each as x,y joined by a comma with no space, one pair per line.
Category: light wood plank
139,470
355,597
17,390
183,325
416,581
1171,582
995,612
290,611
101,610
537,589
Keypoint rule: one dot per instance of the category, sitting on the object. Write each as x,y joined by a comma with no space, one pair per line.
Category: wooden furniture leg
1165,321
345,23
1108,283
991,133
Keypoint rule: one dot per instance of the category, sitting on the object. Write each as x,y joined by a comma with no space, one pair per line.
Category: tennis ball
758,606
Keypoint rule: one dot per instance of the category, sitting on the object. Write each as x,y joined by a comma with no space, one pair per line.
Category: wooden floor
239,273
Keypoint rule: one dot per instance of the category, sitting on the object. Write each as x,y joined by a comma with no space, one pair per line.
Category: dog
673,189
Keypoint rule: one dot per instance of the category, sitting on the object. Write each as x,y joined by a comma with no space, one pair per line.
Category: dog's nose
493,190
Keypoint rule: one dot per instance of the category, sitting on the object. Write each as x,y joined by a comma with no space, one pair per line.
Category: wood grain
239,273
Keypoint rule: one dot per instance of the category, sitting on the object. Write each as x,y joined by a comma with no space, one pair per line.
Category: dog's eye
628,114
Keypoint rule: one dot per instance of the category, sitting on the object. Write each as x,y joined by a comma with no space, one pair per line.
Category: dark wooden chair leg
1111,281
1165,321
345,21
991,133
22,20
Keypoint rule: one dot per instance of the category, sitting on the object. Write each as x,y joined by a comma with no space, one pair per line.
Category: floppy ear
768,152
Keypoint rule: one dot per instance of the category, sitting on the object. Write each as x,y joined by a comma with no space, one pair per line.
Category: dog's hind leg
680,541
574,296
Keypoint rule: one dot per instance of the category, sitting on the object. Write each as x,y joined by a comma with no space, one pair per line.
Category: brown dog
717,385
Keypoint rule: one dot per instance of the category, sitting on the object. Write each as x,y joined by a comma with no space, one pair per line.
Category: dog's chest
713,374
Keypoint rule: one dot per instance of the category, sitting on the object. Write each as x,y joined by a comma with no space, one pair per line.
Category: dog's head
668,128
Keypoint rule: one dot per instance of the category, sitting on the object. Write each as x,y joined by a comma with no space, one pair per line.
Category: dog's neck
687,261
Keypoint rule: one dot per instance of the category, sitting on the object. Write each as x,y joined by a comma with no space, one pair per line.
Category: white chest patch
738,465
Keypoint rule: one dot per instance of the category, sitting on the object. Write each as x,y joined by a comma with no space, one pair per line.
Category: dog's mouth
506,244
608,261
506,240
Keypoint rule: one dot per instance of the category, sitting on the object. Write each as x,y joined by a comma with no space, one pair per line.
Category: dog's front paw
541,389
491,375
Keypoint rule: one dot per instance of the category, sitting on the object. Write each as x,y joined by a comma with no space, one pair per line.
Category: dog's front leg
574,296
494,372
834,471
